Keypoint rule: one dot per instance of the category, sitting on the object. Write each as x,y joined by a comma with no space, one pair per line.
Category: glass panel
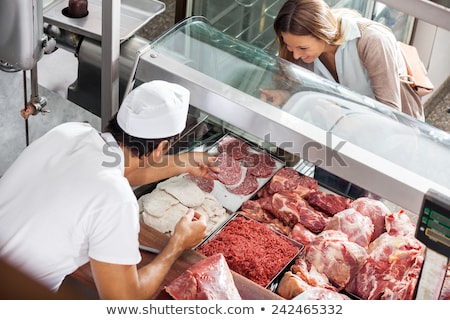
400,23
361,6
367,123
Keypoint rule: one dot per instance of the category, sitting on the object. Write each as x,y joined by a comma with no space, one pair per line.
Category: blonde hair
309,18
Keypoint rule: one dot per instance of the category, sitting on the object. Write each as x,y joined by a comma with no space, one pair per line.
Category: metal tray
133,15
230,200
273,284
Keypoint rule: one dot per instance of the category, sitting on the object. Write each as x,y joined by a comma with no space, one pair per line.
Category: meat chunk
334,255
302,234
328,203
445,290
321,294
287,179
234,147
357,227
205,184
260,165
230,170
391,270
291,285
248,186
290,208
375,210
399,223
208,279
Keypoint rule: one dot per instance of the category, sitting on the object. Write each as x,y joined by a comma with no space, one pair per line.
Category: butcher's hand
200,164
190,229
275,97
28,111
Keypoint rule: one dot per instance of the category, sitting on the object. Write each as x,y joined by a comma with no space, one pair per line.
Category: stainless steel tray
232,201
133,15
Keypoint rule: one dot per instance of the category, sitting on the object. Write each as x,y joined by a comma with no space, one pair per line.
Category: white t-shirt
64,200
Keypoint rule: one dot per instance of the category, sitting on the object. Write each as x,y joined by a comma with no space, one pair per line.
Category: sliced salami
260,165
203,183
234,147
248,185
230,171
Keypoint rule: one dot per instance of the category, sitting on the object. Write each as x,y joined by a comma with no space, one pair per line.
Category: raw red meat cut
334,255
253,209
291,285
328,203
445,290
260,165
375,210
302,234
357,227
321,294
399,223
230,170
248,186
391,271
290,208
310,274
234,147
208,279
251,249
287,179
203,183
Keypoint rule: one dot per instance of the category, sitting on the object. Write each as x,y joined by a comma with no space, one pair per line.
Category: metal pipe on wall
110,59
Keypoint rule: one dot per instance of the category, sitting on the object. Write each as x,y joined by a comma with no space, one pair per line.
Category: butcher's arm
115,281
196,163
379,54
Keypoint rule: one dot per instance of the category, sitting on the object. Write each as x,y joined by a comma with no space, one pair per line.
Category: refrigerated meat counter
322,126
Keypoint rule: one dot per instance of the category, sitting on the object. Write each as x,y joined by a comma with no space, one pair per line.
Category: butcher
68,198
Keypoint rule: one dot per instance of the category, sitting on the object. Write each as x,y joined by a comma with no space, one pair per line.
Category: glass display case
252,20
348,135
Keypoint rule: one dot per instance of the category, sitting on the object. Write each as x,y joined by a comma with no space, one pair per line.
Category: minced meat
251,249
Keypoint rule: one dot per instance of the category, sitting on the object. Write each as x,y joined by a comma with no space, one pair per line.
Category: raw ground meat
205,184
328,203
251,249
234,147
260,165
208,279
246,187
230,170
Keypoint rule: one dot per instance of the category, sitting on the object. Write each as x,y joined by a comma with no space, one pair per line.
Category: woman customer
342,46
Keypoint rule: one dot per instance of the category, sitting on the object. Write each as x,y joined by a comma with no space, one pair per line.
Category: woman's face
307,48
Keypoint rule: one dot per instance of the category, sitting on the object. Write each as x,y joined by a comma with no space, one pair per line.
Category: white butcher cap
154,110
